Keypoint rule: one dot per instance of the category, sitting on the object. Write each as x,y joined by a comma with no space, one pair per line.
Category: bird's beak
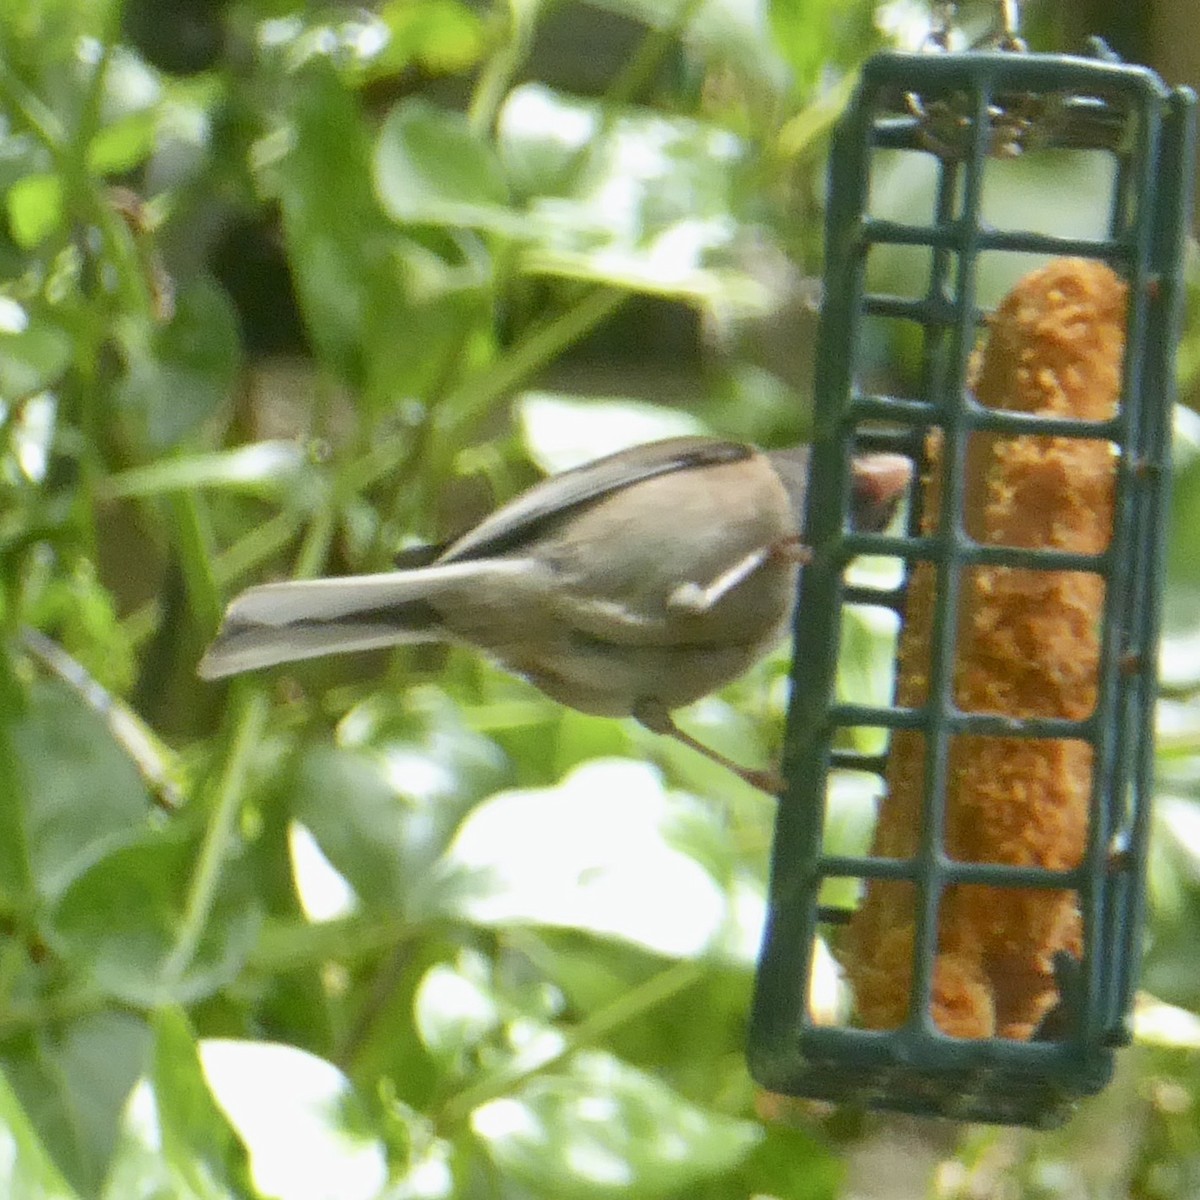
883,477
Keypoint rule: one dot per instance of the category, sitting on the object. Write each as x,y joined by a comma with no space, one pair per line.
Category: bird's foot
657,719
791,549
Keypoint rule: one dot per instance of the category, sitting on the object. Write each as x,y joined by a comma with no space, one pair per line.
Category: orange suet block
1027,646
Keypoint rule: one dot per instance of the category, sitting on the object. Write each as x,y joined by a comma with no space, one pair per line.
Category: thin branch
249,721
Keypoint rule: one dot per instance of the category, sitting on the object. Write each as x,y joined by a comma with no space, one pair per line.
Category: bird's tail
282,622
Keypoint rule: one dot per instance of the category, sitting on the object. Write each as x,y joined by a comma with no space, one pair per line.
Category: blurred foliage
282,288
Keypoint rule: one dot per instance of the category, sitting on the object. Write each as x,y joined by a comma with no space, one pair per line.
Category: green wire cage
959,113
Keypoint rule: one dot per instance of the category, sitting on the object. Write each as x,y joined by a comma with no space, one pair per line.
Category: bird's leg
695,598
657,719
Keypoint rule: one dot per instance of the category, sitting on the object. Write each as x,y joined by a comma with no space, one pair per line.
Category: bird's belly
611,679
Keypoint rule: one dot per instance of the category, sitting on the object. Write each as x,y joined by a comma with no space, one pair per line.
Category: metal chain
1010,26
1007,36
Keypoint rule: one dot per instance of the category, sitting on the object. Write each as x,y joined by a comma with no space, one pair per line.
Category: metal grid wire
958,109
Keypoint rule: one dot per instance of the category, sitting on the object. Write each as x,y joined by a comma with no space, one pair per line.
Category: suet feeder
985,943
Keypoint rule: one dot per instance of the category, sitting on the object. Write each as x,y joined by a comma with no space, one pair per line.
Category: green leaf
1179,659
119,922
187,369
799,1163
603,1128
17,885
815,35
1173,879
443,323
196,1135
82,792
383,806
73,1078
32,357
27,1172
124,144
345,799
90,639
853,802
866,666
257,467
35,208
339,243
441,35
602,861
392,314
299,1119
31,436
175,1140
431,168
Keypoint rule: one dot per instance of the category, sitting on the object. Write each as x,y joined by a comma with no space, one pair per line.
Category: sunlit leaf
383,806
32,435
628,196
850,813
591,854
866,666
346,801
431,168
1018,193
302,1126
256,466
322,890
603,1128
130,86
1164,1024
814,35
455,1007
561,432
175,1140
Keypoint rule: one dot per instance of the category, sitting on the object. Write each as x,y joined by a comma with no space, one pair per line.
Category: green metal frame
1113,108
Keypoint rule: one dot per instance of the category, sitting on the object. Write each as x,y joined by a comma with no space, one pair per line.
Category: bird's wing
524,518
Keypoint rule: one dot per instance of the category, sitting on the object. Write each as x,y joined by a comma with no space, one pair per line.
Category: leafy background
287,287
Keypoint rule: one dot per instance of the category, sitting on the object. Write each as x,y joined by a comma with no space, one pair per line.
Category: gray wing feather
511,526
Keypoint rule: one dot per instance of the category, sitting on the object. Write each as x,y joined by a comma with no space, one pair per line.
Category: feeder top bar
1030,71
933,102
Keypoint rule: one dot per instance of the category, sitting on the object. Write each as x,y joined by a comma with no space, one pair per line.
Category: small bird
629,586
